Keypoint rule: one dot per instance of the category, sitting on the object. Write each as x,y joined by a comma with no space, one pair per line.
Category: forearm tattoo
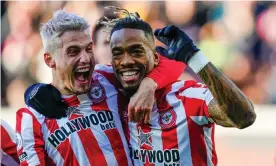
231,108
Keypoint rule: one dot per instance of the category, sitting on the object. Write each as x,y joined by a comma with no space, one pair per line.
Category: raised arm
230,107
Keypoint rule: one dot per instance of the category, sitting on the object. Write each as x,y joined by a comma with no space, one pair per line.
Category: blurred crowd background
238,37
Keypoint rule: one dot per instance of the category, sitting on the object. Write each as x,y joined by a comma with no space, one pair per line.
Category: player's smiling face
132,56
75,62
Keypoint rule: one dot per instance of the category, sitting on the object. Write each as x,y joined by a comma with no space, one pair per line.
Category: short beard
130,90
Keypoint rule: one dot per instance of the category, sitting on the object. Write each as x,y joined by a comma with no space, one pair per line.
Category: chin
82,91
131,86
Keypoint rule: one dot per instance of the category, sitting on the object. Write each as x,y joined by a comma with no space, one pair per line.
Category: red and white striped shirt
91,134
8,145
180,131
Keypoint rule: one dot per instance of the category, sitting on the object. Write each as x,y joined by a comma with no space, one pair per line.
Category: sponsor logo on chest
102,120
169,157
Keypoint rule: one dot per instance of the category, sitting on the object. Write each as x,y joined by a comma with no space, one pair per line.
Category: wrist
197,62
149,83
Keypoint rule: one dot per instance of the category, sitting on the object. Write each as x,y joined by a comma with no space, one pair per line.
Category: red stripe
38,138
72,101
122,109
193,107
92,149
117,146
64,148
113,134
169,137
214,154
7,145
18,130
197,142
49,161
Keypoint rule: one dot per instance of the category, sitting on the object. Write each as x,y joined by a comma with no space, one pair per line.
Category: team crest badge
167,119
97,93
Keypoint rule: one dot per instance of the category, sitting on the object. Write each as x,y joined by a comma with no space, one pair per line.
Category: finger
170,30
161,32
147,117
163,40
170,53
161,51
156,32
140,118
136,114
130,113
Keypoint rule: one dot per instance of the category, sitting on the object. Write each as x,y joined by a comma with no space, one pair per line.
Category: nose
86,58
127,60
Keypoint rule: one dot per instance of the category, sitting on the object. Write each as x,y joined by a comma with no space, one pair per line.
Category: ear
156,58
49,60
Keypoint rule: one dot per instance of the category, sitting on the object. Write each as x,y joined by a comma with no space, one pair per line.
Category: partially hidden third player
8,152
84,129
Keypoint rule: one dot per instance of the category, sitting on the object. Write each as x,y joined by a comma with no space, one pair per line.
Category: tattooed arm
230,107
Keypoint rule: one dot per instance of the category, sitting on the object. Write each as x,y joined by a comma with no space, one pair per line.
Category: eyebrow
136,46
78,45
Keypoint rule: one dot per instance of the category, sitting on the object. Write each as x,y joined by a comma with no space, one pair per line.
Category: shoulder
104,74
195,90
184,86
6,128
188,89
29,114
104,68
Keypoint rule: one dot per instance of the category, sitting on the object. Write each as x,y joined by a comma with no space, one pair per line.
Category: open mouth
82,74
130,75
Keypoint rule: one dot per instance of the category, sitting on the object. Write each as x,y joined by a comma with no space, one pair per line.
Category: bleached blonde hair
61,22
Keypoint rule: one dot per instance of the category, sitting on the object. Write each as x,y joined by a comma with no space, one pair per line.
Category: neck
60,86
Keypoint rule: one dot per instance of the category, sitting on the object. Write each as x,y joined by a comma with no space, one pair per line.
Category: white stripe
200,120
156,130
7,159
113,106
209,144
198,93
105,68
75,142
84,100
104,144
28,139
182,125
134,141
52,152
9,130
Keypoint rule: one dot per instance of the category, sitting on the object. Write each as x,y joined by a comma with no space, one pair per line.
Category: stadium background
238,37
